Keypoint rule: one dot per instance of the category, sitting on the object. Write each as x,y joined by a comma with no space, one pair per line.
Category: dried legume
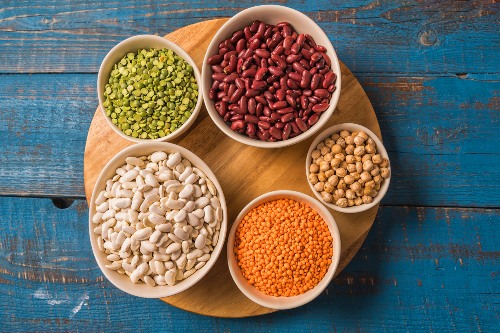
150,93
271,83
283,247
165,227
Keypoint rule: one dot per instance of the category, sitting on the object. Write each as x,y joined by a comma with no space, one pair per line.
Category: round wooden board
244,173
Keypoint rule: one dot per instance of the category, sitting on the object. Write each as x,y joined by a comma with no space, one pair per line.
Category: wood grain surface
430,262
244,173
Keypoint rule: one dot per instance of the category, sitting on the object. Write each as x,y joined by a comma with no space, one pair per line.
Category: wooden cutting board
244,173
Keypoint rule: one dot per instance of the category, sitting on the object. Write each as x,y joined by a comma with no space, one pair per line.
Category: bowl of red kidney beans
270,77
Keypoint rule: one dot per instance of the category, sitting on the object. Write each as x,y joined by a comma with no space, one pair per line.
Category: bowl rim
169,45
206,79
283,303
100,257
380,149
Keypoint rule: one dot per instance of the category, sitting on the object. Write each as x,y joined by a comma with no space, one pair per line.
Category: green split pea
150,93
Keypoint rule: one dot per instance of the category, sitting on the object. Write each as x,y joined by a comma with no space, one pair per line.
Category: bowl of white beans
348,168
157,219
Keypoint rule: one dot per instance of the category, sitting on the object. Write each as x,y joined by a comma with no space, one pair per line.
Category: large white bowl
269,14
132,44
380,149
282,303
123,282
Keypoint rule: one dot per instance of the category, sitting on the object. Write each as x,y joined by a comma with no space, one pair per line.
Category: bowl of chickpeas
348,168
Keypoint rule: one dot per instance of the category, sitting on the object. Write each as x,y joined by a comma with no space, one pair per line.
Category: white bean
158,156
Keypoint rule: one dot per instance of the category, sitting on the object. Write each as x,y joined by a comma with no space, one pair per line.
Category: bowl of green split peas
148,89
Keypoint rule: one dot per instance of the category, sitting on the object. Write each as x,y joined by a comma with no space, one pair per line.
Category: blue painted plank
440,131
420,269
370,36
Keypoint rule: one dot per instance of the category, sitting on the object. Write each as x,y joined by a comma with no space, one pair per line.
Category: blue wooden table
430,263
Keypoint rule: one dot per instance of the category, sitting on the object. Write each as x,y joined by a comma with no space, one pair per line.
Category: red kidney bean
259,109
254,26
294,76
295,49
217,69
298,67
230,78
269,96
237,125
313,119
239,83
320,107
306,54
313,70
305,80
313,100
332,88
303,102
320,48
260,73
237,35
262,53
215,59
285,110
252,105
279,105
279,125
275,117
236,96
286,131
266,111
258,85
293,58
287,43
316,56
251,129
241,44
305,64
300,39
251,93
291,101
301,124
269,32
295,128
275,71
327,60
275,40
315,81
262,28
287,117
321,93
261,99
320,64
263,135
330,78
218,76
324,70
243,104
236,117
292,84
294,93
251,119
251,72
279,50
220,94
275,132
278,60
280,94
264,125
287,31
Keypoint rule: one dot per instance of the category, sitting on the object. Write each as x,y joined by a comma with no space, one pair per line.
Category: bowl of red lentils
348,168
270,77
283,249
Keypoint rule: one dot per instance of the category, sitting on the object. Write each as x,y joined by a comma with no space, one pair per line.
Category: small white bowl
132,44
282,303
123,282
380,150
270,14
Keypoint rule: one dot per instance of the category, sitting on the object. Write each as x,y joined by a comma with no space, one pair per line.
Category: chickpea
373,193
319,186
341,142
349,140
320,145
329,143
370,141
323,166
367,199
313,178
328,157
313,168
336,149
343,164
358,140
329,173
377,187
356,186
370,184
341,185
365,176
358,201
370,149
350,194
340,156
315,154
366,158
361,181
328,187
335,136
367,165
325,150
350,202
322,176
341,172
359,166
327,197
349,179
349,149
350,159
342,202
367,190
359,193
356,175
358,158
334,180
385,163
375,171
359,151
363,135
385,172
335,163
319,160
351,168
345,133
377,159
340,193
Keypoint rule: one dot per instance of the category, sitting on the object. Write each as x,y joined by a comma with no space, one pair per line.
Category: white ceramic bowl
132,44
269,14
380,150
123,281
282,303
